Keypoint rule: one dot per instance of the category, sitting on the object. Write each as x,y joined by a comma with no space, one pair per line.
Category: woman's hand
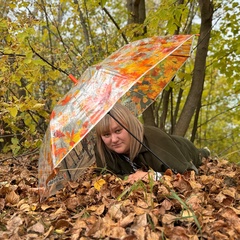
139,175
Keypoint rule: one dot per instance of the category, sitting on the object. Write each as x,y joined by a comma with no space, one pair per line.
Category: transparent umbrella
135,75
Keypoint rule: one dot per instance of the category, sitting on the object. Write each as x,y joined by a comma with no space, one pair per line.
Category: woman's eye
106,135
118,130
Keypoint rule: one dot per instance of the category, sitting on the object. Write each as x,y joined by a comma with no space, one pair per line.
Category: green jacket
177,152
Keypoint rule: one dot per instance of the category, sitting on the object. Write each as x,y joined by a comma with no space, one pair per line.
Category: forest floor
189,206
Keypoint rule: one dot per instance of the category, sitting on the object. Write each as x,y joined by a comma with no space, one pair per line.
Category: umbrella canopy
135,75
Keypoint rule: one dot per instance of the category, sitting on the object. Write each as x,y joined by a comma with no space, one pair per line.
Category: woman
120,153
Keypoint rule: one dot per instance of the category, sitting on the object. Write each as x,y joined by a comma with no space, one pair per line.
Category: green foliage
74,36
166,17
220,114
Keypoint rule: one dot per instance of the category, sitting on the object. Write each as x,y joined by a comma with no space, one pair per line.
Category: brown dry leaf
80,223
219,235
182,184
187,215
127,203
153,235
91,220
25,207
75,234
7,188
140,221
162,192
105,191
154,219
2,203
195,201
116,191
127,220
207,179
73,185
78,227
60,211
92,208
80,212
231,192
167,180
50,230
142,204
168,218
231,217
218,225
140,232
62,224
194,184
86,184
14,223
44,207
22,201
72,203
115,211
237,211
167,204
37,227
138,210
222,162
220,197
12,198
96,229
164,206
168,172
176,233
99,211
117,233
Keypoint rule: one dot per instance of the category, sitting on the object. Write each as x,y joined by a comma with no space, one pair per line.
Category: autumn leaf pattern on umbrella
134,75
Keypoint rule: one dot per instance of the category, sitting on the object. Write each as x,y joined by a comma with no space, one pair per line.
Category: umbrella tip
73,78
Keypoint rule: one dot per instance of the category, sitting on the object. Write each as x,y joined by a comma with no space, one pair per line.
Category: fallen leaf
127,220
14,223
37,227
2,203
12,198
168,218
98,184
115,211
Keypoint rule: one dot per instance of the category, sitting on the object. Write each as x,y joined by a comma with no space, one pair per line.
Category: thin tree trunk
163,117
84,28
195,123
180,93
206,8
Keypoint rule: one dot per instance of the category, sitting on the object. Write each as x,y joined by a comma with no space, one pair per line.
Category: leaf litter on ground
188,206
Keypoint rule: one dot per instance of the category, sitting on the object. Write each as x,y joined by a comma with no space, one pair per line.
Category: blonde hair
129,121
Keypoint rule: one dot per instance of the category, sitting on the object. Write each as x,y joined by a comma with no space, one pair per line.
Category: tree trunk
137,11
84,29
165,102
195,123
206,8
176,111
137,14
148,116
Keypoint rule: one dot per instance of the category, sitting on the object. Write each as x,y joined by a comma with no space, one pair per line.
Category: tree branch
114,22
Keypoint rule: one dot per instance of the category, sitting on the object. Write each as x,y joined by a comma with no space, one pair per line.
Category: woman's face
117,139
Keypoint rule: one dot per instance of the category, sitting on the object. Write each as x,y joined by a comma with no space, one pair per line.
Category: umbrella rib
144,145
177,55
